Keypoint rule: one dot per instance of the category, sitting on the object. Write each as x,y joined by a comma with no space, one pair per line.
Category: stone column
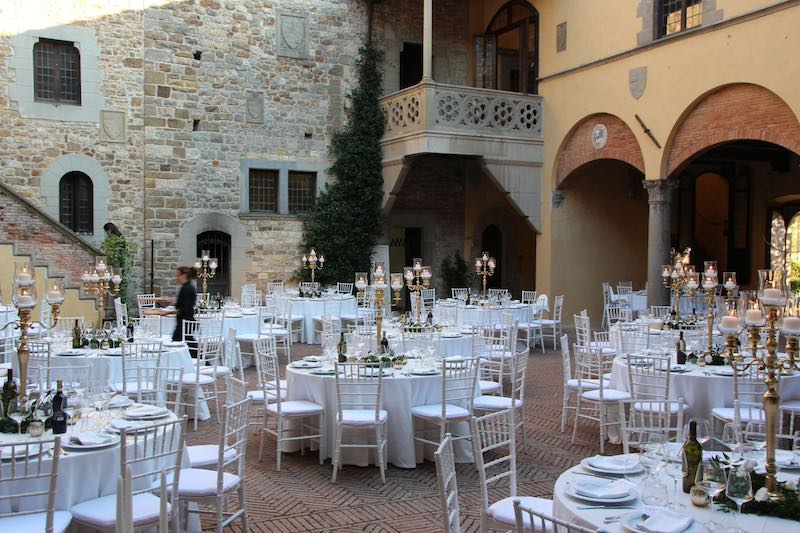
427,41
659,194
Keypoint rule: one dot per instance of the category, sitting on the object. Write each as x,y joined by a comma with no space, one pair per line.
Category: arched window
492,243
218,243
75,202
507,56
57,72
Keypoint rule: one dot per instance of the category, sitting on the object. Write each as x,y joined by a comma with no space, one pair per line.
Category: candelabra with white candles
207,268
312,262
680,275
484,267
102,281
417,277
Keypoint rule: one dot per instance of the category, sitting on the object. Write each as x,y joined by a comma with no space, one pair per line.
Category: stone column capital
658,191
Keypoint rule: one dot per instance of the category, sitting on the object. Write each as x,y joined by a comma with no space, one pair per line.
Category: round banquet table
701,389
107,369
467,315
400,393
447,344
311,307
82,475
569,509
244,323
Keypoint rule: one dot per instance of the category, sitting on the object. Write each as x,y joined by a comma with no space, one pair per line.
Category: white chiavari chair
235,390
28,488
216,487
485,343
428,299
592,365
309,286
158,386
632,340
282,411
551,327
606,302
660,311
275,288
459,293
135,355
207,455
203,387
636,424
252,299
583,329
344,288
649,381
39,359
147,327
617,313
748,395
145,301
146,454
231,358
569,399
532,327
121,313
496,294
358,398
531,520
448,485
515,400
265,391
287,319
494,450
459,381
331,309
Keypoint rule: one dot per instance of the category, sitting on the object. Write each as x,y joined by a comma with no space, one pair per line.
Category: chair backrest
230,350
530,520
308,286
448,485
344,288
235,390
617,313
748,391
161,386
147,327
459,380
590,365
31,478
528,297
209,350
542,304
418,341
459,293
233,439
267,367
498,293
658,416
121,312
660,311
332,307
275,287
429,298
148,453
558,307
252,298
583,330
519,369
648,376
566,362
358,386
633,340
606,293
135,355
493,434
145,301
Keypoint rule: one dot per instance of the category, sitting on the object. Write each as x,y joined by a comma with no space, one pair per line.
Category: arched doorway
218,243
507,55
492,243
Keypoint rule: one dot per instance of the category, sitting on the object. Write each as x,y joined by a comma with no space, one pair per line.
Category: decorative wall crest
254,107
599,136
292,35
112,126
637,81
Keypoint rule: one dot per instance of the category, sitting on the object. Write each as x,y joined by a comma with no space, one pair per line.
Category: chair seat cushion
435,411
648,407
102,512
746,414
258,395
190,378
606,350
586,384
296,407
36,522
494,403
609,395
318,318
488,386
249,337
503,510
200,483
134,387
529,325
362,417
206,455
220,371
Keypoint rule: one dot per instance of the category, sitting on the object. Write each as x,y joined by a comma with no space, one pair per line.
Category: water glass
739,488
711,477
703,429
655,493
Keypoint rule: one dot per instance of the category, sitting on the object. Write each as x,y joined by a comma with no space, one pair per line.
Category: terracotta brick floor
302,498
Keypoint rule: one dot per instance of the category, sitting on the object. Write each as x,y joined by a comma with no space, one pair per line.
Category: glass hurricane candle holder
729,281
771,289
753,313
55,292
23,274
24,296
731,321
790,325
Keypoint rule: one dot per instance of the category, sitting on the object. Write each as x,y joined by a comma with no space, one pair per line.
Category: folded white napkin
615,489
121,424
89,439
145,410
666,521
614,463
116,401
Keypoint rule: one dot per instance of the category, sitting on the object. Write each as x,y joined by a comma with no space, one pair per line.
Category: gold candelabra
24,299
484,267
710,282
678,275
417,277
310,262
101,282
207,267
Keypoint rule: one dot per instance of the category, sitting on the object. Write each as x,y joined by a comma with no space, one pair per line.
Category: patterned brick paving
302,498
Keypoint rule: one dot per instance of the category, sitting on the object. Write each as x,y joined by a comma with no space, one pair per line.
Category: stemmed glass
651,452
703,430
673,467
18,412
739,488
711,478
732,438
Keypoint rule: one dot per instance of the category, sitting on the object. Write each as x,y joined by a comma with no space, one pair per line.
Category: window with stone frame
263,190
75,202
673,16
302,191
56,72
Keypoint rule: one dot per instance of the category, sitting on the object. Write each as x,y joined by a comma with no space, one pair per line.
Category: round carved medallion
599,136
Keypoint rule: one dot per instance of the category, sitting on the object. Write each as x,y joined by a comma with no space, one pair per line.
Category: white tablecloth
243,325
478,315
702,392
566,508
400,393
445,346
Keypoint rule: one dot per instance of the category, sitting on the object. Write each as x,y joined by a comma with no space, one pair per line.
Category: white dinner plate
174,344
632,495
451,335
233,315
114,440
249,312
121,404
306,364
73,353
631,523
428,372
323,371
722,371
585,463
312,358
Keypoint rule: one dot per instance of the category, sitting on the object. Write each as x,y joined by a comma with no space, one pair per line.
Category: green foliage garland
347,219
119,252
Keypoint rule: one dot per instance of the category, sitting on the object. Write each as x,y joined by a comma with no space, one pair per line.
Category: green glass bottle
693,455
9,395
342,349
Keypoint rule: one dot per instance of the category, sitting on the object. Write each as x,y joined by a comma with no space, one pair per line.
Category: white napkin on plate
145,410
612,490
118,400
614,463
666,521
120,424
89,439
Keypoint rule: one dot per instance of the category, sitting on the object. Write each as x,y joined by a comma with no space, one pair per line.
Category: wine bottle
681,351
429,319
384,344
59,416
693,454
342,348
76,336
9,394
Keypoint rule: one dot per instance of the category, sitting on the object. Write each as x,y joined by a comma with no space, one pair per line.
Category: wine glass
739,488
673,467
18,412
711,478
732,438
703,433
651,451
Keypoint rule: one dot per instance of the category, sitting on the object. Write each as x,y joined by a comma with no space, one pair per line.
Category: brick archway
577,149
741,111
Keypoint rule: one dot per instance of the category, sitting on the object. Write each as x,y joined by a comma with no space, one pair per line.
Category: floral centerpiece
715,358
787,505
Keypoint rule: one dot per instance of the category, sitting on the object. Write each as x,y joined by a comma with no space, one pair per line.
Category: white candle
116,279
730,285
94,277
791,324
397,285
709,284
101,266
198,265
753,317
321,259
54,296
213,264
772,296
729,324
25,301
24,278
691,284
